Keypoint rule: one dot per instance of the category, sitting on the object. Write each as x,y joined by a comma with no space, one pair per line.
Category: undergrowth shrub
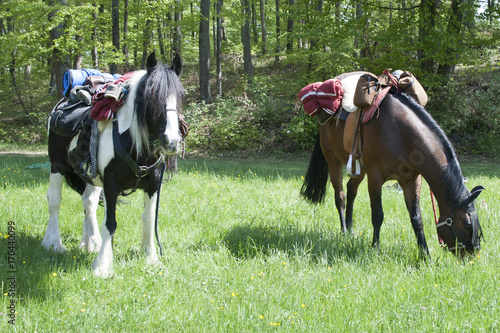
467,109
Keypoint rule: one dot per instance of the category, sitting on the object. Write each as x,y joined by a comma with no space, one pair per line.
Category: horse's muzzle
170,146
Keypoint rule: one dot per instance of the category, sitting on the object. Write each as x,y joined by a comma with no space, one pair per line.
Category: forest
246,60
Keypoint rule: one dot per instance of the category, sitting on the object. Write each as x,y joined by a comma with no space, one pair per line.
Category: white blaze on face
172,134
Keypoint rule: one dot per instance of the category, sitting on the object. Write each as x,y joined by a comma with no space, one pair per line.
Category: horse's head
163,96
461,231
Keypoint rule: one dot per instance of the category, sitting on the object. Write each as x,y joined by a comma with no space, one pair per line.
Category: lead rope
158,206
435,215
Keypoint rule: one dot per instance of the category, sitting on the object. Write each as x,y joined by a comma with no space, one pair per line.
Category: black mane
154,89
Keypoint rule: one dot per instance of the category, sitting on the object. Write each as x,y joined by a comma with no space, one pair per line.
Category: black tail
314,187
75,182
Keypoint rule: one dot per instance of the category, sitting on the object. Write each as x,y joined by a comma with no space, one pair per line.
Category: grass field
244,253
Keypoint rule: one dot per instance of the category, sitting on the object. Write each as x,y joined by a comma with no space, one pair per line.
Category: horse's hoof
91,245
54,245
152,259
100,270
151,256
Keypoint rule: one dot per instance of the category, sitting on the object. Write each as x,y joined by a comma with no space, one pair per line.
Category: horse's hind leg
411,191
352,192
336,178
147,229
91,239
52,238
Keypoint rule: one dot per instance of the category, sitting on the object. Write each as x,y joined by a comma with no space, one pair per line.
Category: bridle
449,222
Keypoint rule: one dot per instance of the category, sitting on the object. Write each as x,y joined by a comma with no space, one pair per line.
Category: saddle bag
325,96
410,85
96,81
67,117
366,90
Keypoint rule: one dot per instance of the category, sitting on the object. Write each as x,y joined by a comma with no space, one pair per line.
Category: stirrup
357,167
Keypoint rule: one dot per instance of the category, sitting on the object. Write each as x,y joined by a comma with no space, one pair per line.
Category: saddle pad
349,84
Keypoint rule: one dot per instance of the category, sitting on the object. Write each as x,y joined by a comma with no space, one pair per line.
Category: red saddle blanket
326,95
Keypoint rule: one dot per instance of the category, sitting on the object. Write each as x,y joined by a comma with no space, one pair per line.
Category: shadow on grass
37,268
249,241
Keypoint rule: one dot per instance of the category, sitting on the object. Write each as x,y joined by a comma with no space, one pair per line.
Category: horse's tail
75,182
314,186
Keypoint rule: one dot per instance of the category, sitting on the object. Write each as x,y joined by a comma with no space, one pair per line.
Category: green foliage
303,130
336,38
467,109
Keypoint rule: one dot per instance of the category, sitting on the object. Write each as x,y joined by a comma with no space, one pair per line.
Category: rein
435,216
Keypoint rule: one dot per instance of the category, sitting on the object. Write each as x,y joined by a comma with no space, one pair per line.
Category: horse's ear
473,195
151,62
177,64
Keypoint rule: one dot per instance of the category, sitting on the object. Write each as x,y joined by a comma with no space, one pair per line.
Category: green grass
244,253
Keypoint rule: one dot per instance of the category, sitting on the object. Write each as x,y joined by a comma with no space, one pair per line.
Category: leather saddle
353,142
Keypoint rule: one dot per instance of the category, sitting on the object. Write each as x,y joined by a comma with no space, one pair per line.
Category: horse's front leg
52,238
103,264
91,239
411,191
352,192
148,227
375,191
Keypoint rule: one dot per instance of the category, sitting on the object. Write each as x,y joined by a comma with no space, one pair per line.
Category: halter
449,222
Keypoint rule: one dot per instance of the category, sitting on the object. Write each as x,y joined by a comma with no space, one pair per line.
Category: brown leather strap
368,114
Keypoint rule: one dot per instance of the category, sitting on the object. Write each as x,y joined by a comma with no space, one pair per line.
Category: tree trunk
176,43
77,60
219,48
60,63
246,40
204,51
460,18
290,25
255,34
263,26
427,27
161,42
115,31
278,32
125,30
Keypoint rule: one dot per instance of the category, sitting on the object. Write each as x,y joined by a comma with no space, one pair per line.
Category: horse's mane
452,178
153,92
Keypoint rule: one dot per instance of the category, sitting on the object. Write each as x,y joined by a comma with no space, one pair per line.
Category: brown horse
405,144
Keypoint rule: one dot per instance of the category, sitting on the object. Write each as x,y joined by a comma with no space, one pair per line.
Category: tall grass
244,253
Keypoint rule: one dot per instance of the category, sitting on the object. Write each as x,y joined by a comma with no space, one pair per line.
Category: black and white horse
129,154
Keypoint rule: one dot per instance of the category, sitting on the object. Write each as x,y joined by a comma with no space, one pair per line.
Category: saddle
370,92
352,131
